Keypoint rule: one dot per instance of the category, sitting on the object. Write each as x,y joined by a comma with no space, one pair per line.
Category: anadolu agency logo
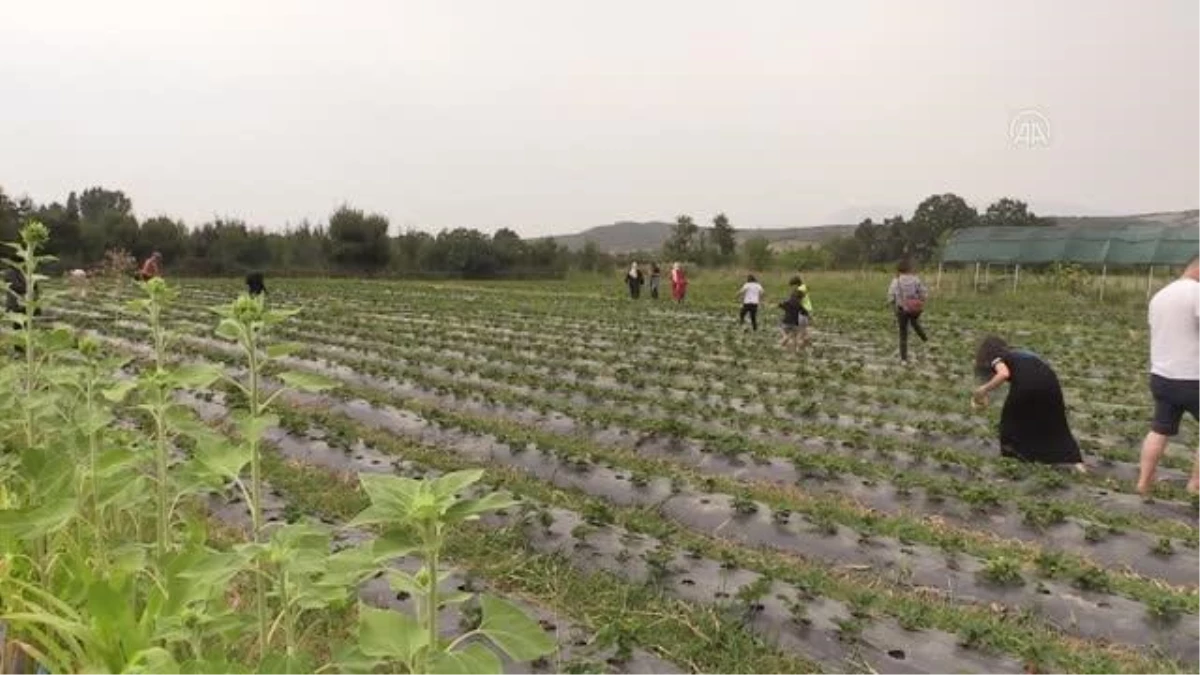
1029,129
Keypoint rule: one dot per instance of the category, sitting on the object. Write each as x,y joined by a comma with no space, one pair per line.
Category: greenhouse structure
1120,245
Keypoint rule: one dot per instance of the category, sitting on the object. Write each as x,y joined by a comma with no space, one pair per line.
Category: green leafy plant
415,517
1003,571
246,322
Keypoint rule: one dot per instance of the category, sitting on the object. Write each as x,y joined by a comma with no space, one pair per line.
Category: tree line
89,227
95,223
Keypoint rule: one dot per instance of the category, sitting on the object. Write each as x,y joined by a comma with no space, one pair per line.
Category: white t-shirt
751,292
1175,331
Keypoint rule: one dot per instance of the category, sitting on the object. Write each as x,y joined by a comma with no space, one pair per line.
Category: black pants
750,310
635,289
904,320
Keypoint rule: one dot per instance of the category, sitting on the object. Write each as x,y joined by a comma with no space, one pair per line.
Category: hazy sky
550,116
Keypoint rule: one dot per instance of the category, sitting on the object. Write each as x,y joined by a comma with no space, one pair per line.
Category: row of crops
656,490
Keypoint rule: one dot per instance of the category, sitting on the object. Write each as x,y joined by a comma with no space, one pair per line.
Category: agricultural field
682,497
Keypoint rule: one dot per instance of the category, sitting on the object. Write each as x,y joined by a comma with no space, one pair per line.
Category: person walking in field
795,322
679,282
1174,318
655,278
1033,422
750,294
634,279
152,268
77,279
801,289
907,295
255,284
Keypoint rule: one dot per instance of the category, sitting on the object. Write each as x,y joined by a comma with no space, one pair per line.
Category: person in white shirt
1174,317
751,294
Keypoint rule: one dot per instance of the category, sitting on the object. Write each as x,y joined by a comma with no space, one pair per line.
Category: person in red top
152,267
678,282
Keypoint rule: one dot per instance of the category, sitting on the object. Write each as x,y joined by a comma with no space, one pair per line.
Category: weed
1163,548
1003,571
1092,578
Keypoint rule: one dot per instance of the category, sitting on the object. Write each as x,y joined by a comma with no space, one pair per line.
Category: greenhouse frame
1104,245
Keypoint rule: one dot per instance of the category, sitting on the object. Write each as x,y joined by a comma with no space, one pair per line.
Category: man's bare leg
1152,451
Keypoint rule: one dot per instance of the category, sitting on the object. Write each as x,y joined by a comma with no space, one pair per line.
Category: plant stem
160,432
433,544
260,586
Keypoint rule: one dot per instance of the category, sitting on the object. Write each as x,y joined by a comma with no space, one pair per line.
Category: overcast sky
550,116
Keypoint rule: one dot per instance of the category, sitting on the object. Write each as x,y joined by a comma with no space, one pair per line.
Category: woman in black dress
1033,423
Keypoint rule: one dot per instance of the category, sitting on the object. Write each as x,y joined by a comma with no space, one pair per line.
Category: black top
254,282
792,310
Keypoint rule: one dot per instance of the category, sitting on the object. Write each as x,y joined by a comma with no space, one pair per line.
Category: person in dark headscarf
254,283
1033,423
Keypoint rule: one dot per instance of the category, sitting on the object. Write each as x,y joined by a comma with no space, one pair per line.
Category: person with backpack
907,295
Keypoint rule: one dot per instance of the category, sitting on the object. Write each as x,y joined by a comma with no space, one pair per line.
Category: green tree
682,244
589,256
934,217
63,223
106,222
757,253
1011,212
10,219
164,235
724,236
512,255
359,241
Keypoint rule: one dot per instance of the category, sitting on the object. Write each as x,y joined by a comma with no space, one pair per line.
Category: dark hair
990,349
795,281
750,277
905,266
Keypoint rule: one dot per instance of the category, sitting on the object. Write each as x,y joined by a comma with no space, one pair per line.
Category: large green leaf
391,498
454,482
474,658
195,375
228,329
395,542
518,635
390,635
253,428
282,349
305,381
471,508
41,520
350,659
119,391
223,457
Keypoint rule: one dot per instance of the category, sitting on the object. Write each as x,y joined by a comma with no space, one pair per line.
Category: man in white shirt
1174,369
751,294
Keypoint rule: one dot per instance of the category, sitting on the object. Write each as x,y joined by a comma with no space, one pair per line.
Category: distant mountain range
625,236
